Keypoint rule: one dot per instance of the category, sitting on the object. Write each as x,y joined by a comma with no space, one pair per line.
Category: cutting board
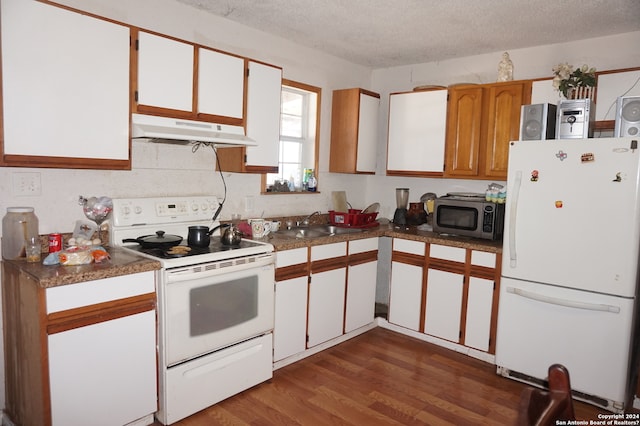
339,199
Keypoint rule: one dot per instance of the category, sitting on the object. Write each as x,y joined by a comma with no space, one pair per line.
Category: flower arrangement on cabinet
574,83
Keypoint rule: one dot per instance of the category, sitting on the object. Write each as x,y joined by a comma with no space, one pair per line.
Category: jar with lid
19,225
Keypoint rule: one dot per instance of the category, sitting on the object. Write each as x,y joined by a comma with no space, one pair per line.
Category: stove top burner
214,247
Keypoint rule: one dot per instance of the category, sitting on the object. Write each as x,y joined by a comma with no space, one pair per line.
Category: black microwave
469,217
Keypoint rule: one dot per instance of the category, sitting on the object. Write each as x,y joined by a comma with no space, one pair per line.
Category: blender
402,199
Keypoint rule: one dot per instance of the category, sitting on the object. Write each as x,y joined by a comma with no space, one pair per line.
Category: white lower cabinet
443,304
404,295
326,306
292,281
362,274
479,307
290,328
457,297
361,295
100,367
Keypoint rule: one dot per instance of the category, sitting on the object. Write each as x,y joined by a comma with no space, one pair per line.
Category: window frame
316,149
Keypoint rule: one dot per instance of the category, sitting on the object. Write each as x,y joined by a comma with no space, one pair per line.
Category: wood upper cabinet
482,120
179,79
65,88
354,131
416,140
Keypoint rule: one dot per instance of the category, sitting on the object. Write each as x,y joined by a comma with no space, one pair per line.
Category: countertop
281,242
122,262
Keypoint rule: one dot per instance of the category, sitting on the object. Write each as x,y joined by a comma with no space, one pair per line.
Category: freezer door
571,217
590,334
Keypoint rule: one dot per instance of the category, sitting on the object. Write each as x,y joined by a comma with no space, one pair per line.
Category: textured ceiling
383,33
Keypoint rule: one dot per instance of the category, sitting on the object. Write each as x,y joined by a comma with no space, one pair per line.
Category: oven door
206,308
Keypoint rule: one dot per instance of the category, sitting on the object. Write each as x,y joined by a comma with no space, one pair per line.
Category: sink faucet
305,221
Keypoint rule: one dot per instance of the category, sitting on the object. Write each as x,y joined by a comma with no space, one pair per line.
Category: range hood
184,132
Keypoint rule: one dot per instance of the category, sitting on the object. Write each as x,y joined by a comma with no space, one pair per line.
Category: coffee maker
402,200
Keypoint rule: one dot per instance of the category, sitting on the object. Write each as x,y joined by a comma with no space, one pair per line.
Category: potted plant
575,83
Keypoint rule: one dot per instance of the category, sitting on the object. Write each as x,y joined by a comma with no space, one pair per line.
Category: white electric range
215,304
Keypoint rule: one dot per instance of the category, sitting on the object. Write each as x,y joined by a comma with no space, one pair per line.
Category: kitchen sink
316,231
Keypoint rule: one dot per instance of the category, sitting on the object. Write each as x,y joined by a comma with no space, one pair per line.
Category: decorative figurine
505,68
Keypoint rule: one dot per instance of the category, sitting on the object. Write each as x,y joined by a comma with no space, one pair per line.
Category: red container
353,218
55,242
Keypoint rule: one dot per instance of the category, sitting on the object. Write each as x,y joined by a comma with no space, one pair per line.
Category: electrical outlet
26,184
248,204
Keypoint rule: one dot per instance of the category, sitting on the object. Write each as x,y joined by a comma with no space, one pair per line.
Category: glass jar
19,225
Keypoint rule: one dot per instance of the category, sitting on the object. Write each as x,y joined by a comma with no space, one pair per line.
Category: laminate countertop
285,242
122,262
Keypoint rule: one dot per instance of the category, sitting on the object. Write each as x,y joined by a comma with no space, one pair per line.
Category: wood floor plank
378,378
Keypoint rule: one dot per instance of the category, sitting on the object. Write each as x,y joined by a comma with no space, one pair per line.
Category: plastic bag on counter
79,255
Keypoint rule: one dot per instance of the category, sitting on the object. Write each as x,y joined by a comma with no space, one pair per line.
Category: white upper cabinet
65,88
220,84
417,127
610,87
263,114
165,72
168,76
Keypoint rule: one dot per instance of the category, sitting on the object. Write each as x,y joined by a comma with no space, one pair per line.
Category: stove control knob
138,209
204,207
126,210
194,207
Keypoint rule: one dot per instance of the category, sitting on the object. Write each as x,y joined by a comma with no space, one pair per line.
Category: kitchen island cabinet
354,131
53,112
82,353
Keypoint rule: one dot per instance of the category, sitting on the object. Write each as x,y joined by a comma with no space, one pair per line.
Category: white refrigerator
570,265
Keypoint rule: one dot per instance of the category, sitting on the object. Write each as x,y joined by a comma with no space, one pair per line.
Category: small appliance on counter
468,214
402,200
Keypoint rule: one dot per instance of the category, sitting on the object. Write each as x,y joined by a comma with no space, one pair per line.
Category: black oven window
220,306
456,217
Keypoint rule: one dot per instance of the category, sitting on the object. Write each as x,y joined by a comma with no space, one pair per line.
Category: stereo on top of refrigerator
576,118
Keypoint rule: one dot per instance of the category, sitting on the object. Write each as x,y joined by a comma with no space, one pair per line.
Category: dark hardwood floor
378,378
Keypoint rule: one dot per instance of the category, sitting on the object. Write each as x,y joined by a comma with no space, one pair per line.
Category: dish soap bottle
312,183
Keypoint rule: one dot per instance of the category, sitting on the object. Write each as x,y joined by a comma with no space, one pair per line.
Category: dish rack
354,218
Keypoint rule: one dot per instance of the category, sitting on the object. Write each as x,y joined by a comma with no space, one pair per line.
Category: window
299,118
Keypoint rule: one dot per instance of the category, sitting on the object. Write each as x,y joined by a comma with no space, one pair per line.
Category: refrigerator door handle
513,212
564,302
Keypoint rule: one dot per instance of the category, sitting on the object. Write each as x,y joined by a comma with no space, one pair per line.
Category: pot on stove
200,236
159,240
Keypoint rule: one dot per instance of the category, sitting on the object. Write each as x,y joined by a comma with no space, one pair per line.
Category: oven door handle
190,273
